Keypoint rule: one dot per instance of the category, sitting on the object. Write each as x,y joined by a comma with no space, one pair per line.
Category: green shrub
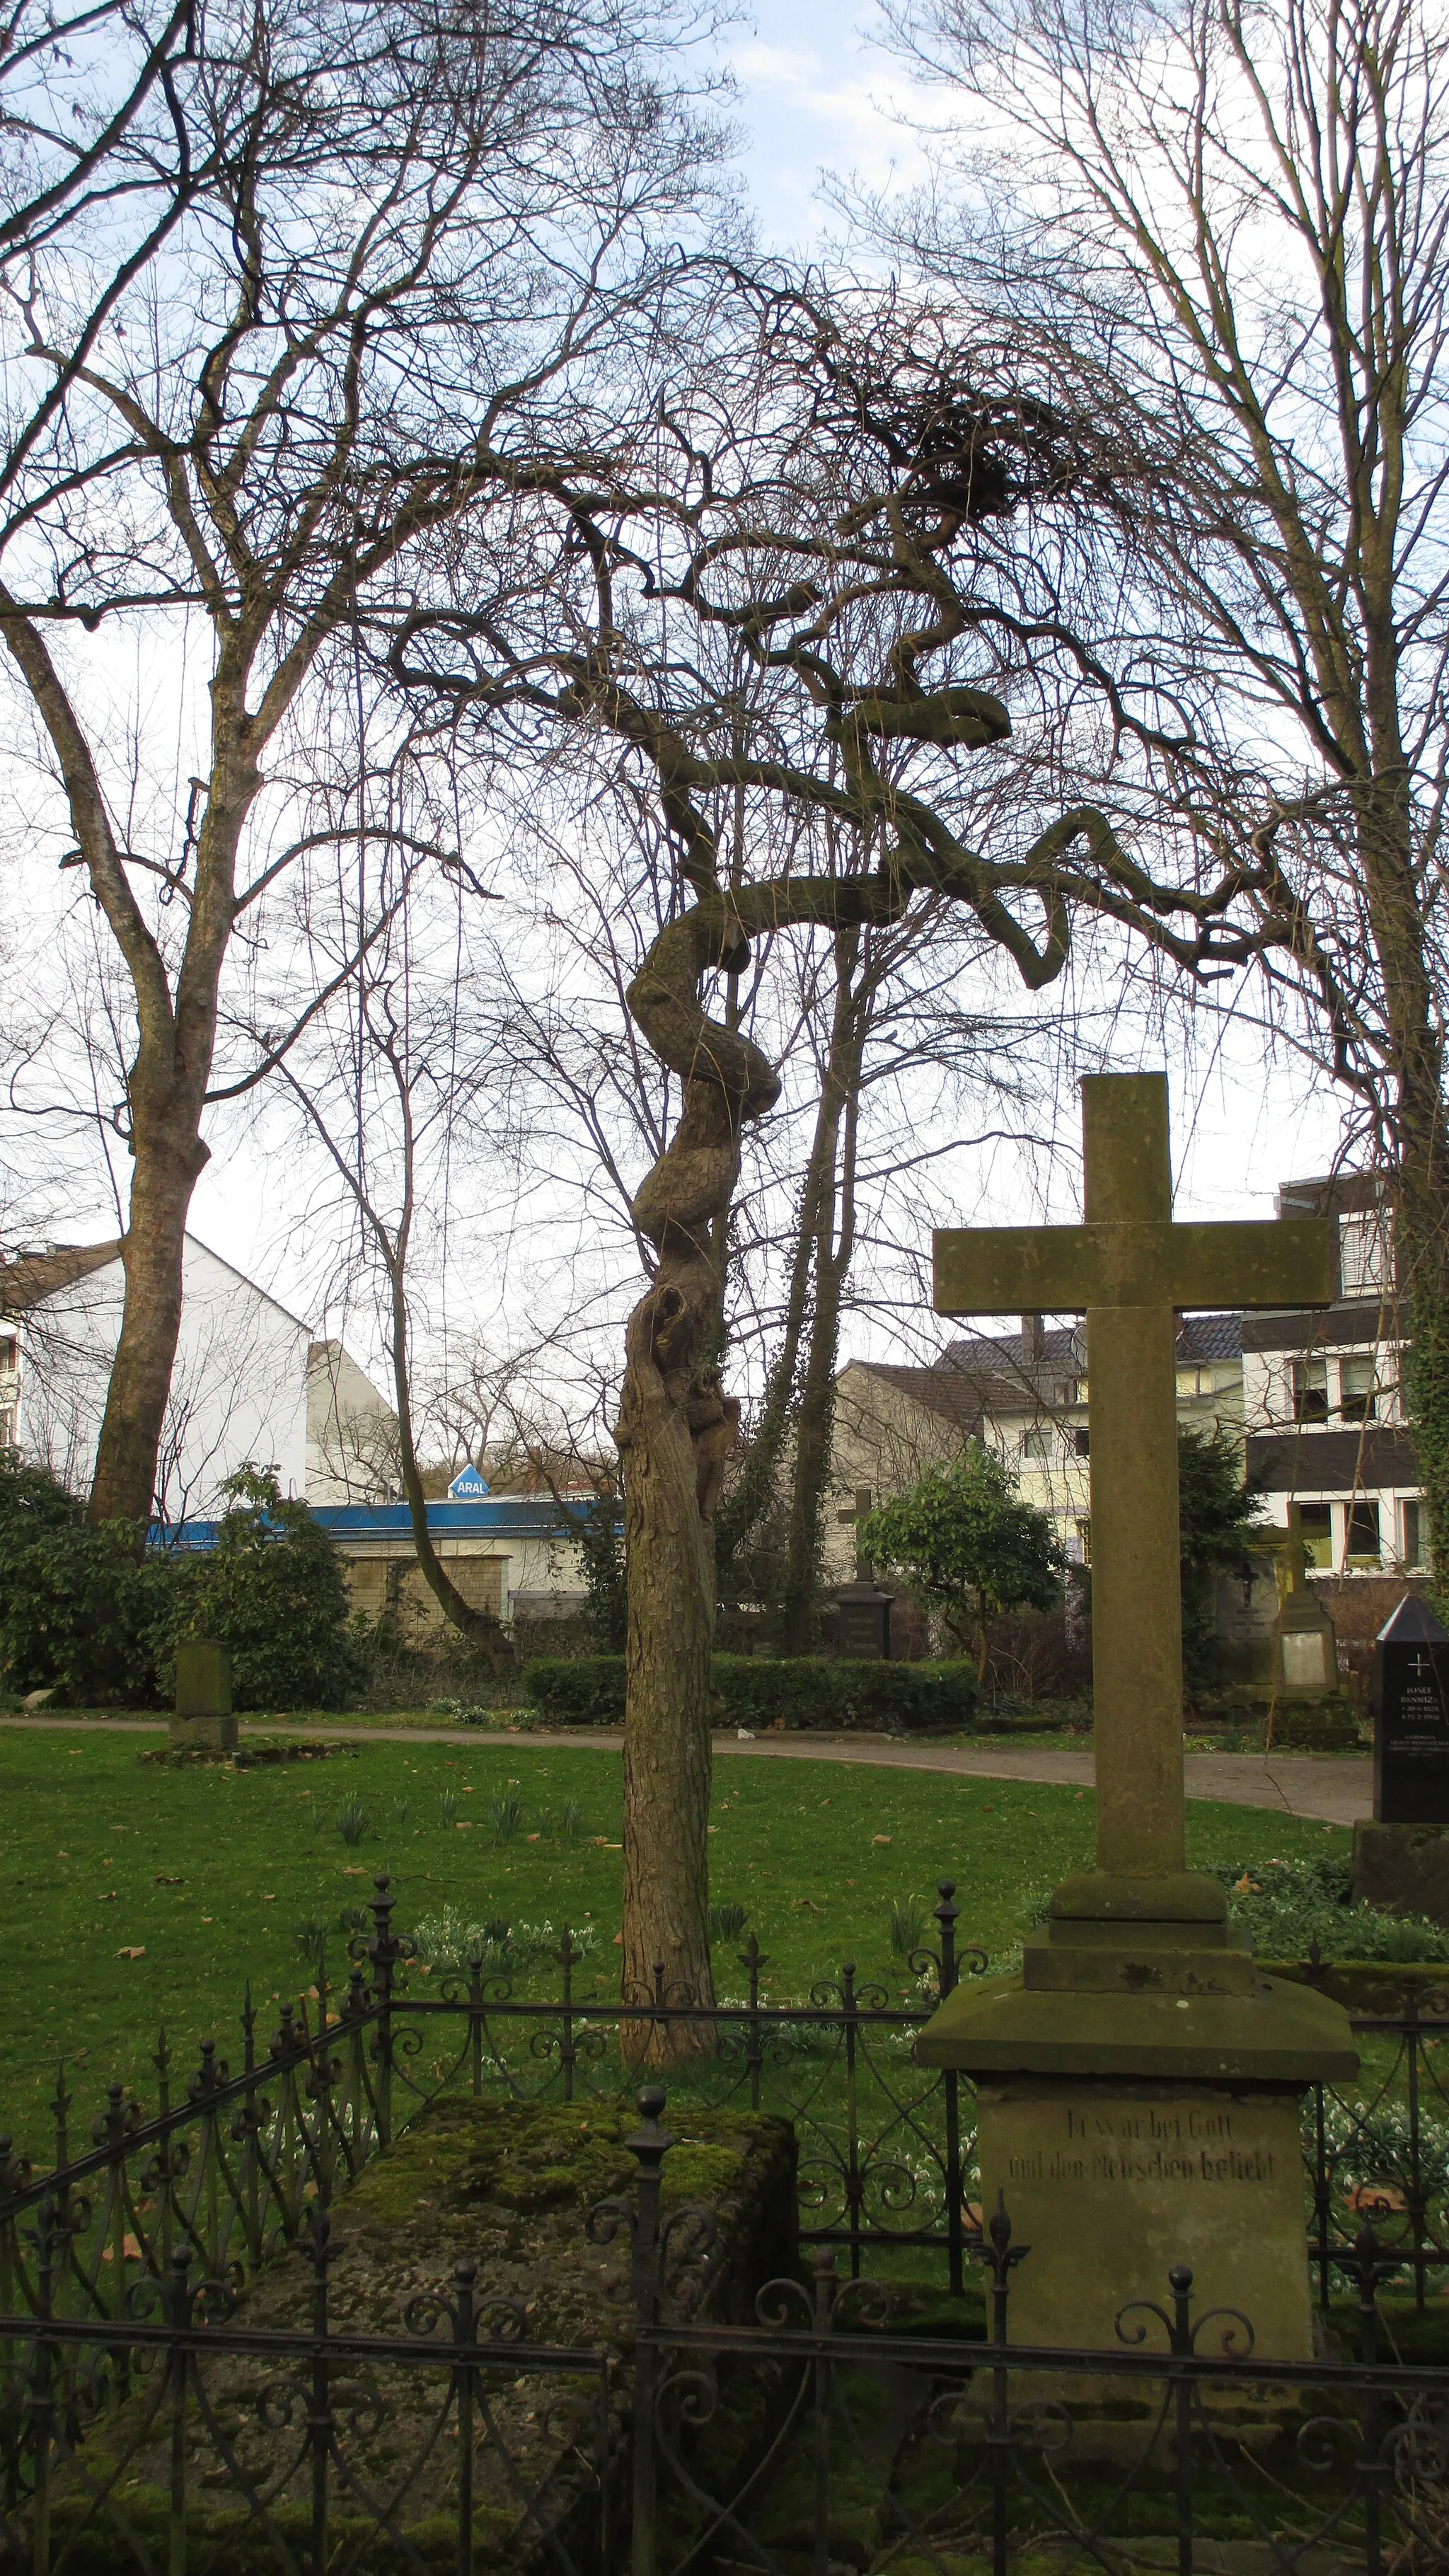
577,1690
272,1589
81,1611
755,1690
1286,1905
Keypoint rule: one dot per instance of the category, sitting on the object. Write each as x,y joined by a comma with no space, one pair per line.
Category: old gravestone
1138,2086
864,1631
1401,1856
203,1720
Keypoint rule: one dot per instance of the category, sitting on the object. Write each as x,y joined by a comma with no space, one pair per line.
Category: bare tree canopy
1222,234
797,613
421,254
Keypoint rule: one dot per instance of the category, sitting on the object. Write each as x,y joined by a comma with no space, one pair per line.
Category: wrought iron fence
232,2157
175,2433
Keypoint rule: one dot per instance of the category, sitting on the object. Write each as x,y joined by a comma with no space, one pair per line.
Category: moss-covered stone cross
1132,1270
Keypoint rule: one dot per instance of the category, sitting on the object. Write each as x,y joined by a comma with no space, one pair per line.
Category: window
1409,1522
1082,1532
8,1353
1315,1524
1364,1265
1362,1546
1065,1391
7,1427
1081,1440
1310,1390
1036,1444
1357,1392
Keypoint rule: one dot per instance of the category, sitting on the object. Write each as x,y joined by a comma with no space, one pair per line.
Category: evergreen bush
273,1590
81,1611
757,1690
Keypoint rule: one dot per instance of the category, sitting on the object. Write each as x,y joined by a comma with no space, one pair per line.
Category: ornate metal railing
179,2434
237,2150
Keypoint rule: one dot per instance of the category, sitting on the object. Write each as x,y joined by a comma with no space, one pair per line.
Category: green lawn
207,1873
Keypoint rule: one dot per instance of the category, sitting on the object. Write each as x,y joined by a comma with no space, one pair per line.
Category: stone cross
864,1571
1132,1270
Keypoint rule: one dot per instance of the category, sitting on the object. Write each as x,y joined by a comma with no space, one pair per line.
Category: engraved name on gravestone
1411,1718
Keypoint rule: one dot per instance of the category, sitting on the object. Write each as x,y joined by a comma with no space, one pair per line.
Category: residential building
1322,1396
238,1388
1024,1395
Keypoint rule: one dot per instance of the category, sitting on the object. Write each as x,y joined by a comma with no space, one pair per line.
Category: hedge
756,1690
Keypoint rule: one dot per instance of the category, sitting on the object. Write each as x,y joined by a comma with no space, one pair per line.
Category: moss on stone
509,2186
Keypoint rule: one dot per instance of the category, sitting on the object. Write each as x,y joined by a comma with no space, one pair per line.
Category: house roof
948,1392
34,1276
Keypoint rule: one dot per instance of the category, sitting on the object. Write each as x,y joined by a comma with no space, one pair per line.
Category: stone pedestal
1132,2178
1139,2088
203,1720
1403,1868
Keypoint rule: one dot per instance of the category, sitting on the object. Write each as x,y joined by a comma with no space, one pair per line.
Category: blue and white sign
466,1486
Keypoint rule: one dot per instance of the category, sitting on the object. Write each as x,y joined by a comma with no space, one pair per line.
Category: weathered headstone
1138,2085
1305,1648
864,1631
1401,1858
203,1721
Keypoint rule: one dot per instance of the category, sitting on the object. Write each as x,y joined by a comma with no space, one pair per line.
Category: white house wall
238,1391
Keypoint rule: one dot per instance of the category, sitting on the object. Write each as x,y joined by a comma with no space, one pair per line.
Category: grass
208,1874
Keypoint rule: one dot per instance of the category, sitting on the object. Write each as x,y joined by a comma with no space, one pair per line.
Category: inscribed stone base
213,1734
1111,2184
1403,1868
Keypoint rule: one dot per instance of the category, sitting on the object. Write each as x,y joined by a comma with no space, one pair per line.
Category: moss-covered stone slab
507,2187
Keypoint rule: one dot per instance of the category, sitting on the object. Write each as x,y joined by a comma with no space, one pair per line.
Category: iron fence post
465,2273
475,2023
947,1914
319,2410
849,2013
649,2146
566,2054
751,1962
42,2407
1001,2258
824,2268
176,2306
1179,2338
1416,2182
382,1951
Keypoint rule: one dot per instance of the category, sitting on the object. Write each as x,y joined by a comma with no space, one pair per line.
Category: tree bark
833,1248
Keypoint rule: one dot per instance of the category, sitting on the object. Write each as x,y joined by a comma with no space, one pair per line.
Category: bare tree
415,246
1225,231
832,538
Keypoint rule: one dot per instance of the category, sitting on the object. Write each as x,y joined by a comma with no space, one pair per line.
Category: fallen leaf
159,1881
108,1897
613,1846
269,1900
880,1838
809,1904
130,2249
208,1918
533,1838
138,1953
464,1825
618,1942
354,1873
711,1829
598,1842
62,1855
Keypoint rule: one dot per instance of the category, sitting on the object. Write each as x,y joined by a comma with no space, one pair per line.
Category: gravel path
1337,1788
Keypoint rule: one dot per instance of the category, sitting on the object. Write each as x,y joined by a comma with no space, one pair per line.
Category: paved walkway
1334,1787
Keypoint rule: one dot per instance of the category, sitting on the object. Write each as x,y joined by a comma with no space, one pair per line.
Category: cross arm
1063,1269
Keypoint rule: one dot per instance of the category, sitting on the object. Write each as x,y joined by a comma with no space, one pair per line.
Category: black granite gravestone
1411,1718
864,1632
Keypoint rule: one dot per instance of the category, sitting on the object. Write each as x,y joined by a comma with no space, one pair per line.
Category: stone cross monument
1138,2085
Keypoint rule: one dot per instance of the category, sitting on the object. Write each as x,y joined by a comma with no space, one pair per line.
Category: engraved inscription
1146,2145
